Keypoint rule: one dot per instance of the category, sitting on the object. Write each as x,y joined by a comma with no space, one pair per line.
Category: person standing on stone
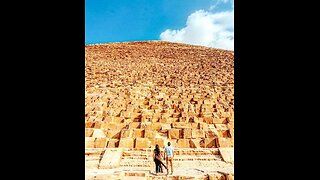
169,155
157,159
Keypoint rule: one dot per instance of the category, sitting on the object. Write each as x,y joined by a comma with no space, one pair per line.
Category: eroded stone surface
227,154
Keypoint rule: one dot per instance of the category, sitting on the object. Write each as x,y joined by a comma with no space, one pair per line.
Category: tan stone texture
174,133
197,133
126,143
142,143
187,133
89,142
138,133
100,142
183,143
113,134
140,94
89,132
113,143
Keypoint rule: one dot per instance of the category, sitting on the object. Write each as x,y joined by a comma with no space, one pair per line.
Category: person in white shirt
169,155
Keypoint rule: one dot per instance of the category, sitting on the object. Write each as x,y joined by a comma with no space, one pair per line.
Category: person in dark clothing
157,159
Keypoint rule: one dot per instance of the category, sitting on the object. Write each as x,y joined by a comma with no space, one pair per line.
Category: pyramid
139,94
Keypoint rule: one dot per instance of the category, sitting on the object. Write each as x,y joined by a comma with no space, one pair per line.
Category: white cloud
206,29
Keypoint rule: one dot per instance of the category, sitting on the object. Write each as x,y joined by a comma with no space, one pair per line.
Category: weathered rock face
140,94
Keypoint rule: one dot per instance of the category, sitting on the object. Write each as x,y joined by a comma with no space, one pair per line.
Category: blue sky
138,20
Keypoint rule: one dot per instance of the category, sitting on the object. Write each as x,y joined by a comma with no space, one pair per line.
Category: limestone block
142,143
91,164
176,115
100,142
203,126
97,133
208,120
224,133
221,126
145,119
134,125
174,134
138,133
195,125
89,124
126,133
211,126
181,125
150,134
231,133
113,134
165,126
164,120
210,142
183,143
156,126
126,143
154,106
216,176
230,125
97,124
127,121
156,115
210,133
191,114
126,114
171,120
166,115
113,143
89,142
158,141
199,119
219,120
152,102
187,133
208,101
227,154
155,120
197,143
136,115
197,133
183,119
230,177
118,119
104,125
230,119
111,158
89,132
112,125
170,111
224,142
146,125
184,114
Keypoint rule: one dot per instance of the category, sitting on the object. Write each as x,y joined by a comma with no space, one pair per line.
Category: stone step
92,164
177,151
197,158
135,163
136,157
178,157
90,151
93,158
